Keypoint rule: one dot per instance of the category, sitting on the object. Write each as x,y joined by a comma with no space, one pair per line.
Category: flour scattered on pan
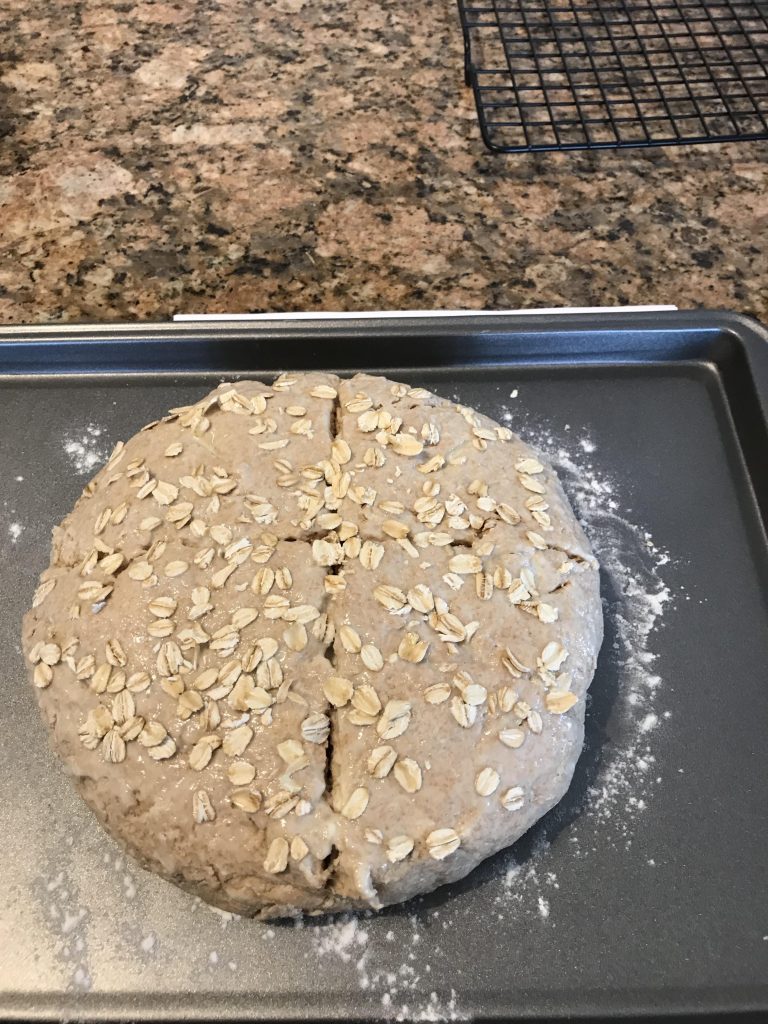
68,918
395,968
88,450
11,528
636,598
618,771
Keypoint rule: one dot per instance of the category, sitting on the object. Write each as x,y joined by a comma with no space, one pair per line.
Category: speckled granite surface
232,156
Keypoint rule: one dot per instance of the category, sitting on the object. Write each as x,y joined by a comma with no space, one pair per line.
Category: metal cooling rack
601,74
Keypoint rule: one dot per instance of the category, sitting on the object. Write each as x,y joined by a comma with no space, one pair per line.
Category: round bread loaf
319,645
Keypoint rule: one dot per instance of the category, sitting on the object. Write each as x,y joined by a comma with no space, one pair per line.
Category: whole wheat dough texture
318,645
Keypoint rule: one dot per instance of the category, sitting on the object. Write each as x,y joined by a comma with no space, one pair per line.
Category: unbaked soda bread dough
319,645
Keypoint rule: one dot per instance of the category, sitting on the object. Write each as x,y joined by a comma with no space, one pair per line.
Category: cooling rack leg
465,34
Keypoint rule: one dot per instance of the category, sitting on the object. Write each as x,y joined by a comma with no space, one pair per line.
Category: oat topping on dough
318,645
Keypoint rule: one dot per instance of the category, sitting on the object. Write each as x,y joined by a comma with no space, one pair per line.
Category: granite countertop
223,155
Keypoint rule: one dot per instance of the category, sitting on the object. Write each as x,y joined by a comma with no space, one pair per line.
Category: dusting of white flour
88,450
402,985
635,599
11,526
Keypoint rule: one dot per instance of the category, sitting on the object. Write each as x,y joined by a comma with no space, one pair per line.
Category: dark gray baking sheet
644,893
